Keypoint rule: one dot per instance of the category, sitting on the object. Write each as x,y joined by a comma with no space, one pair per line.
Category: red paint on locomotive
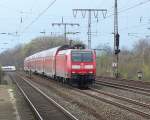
75,66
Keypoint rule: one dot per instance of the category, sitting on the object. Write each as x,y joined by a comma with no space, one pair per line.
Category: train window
82,57
76,57
87,57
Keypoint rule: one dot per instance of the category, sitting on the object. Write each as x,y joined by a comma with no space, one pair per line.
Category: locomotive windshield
82,56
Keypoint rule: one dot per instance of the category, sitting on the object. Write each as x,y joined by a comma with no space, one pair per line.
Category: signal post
116,42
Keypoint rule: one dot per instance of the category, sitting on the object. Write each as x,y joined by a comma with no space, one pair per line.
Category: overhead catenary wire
124,10
134,6
129,8
95,22
40,14
22,12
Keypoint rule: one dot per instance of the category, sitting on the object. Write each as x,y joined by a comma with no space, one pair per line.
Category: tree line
130,61
15,56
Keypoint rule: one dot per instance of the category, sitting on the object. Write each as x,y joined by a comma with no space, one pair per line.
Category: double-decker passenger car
70,65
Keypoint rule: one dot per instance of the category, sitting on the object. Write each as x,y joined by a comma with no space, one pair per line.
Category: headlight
76,67
91,72
88,67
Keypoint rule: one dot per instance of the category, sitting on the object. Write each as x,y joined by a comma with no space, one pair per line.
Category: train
8,68
73,65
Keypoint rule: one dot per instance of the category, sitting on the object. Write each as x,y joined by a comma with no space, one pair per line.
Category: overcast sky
133,23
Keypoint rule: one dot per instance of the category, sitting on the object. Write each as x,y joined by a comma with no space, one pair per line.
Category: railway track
122,98
130,88
44,107
120,102
135,83
131,105
45,82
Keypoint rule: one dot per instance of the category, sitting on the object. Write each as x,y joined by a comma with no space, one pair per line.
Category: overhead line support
116,41
95,11
65,27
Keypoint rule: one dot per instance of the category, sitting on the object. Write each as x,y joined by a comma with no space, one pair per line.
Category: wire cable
134,6
129,8
40,14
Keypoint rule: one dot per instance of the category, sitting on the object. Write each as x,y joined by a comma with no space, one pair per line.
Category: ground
8,109
12,104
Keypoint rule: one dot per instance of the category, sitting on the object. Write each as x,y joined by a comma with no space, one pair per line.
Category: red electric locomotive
70,65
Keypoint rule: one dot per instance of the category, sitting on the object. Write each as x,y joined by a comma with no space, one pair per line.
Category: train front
83,67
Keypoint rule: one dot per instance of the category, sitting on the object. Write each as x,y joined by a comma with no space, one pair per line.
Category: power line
32,22
134,6
129,8
90,11
128,2
65,27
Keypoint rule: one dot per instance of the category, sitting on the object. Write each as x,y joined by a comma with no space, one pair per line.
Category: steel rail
128,88
30,103
122,79
143,114
67,113
122,98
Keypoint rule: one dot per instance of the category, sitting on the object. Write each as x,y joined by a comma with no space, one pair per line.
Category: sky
17,16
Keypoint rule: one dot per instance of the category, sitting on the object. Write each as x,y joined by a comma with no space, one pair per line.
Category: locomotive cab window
81,56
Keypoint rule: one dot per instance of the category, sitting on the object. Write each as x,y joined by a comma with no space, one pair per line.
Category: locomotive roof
52,52
70,50
49,52
44,53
